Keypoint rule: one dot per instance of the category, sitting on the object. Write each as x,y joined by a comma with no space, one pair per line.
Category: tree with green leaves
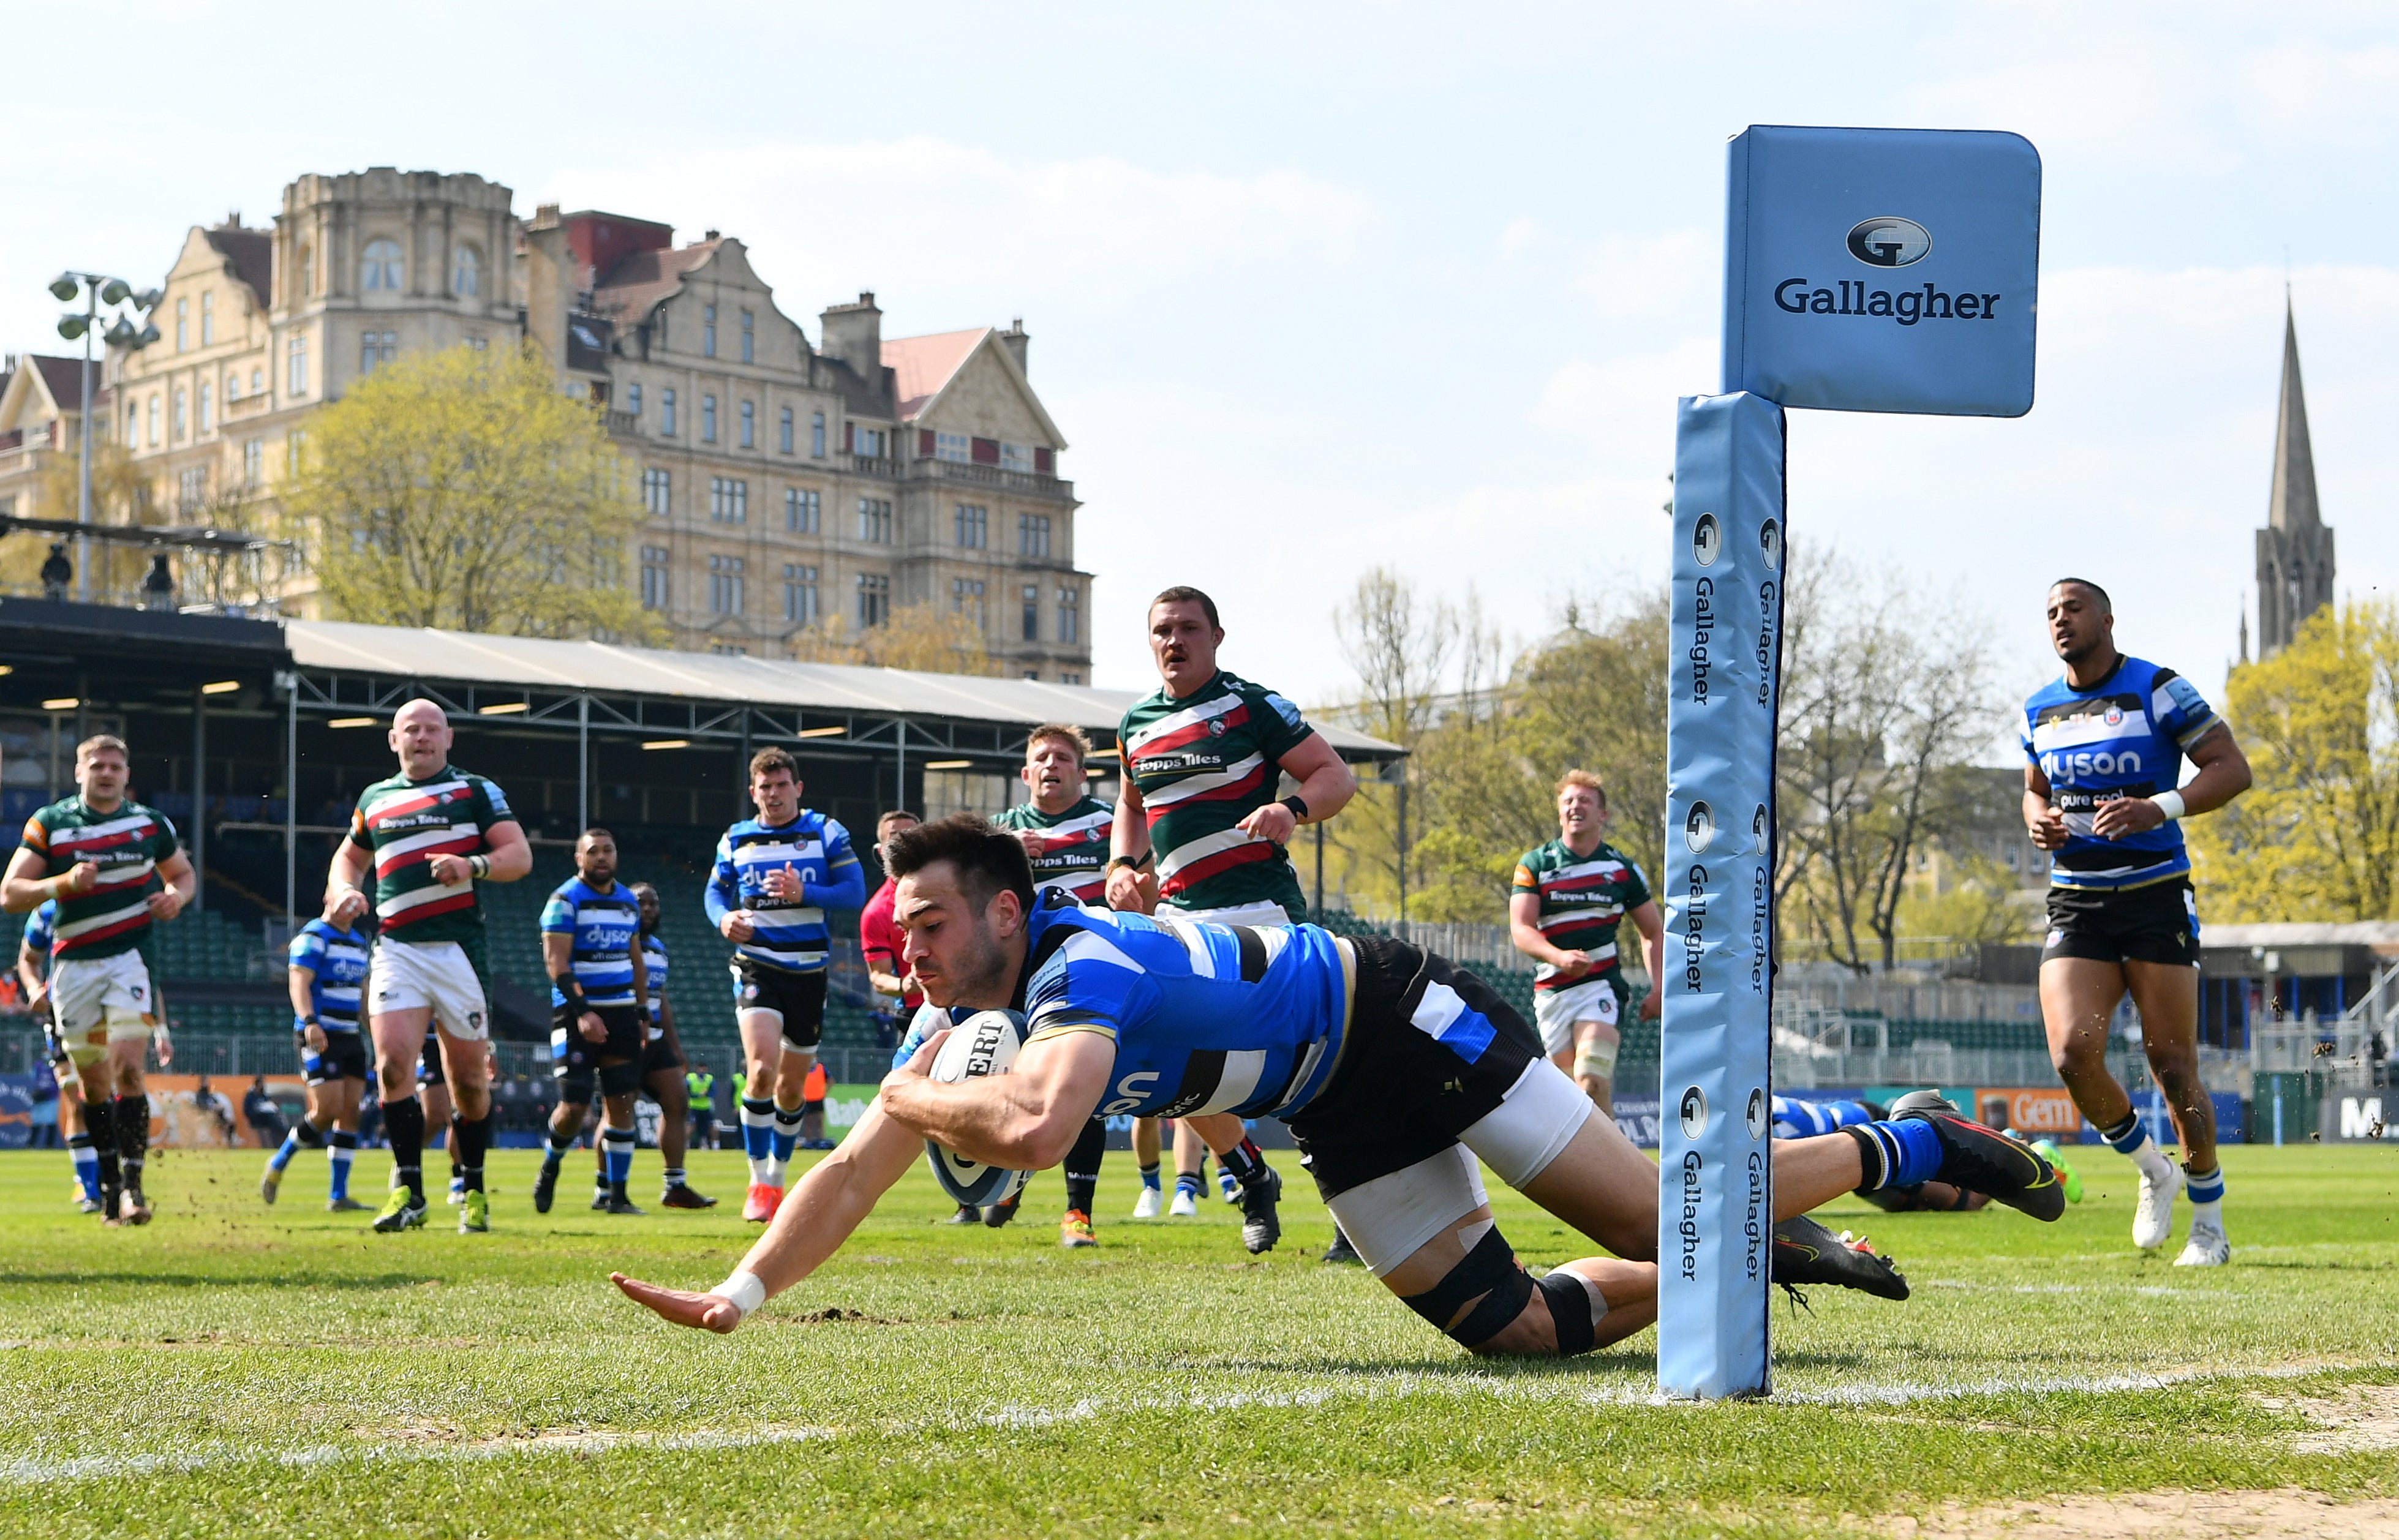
460,488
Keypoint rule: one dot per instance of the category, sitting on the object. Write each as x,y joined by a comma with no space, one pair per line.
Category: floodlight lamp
149,334
71,327
116,292
149,298
119,335
65,286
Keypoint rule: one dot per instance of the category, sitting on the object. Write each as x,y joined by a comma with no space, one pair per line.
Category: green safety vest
698,1086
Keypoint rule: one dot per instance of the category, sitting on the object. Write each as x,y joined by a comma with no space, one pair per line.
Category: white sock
2152,1161
761,1169
775,1170
2207,1216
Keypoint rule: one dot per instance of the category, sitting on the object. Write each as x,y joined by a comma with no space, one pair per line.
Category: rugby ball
984,1043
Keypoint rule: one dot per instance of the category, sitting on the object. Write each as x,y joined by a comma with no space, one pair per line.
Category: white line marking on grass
1387,1385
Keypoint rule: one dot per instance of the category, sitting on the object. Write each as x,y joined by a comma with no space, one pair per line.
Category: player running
662,1063
1066,836
2104,747
1203,759
114,868
34,977
1396,1073
1564,907
775,876
327,969
428,834
591,947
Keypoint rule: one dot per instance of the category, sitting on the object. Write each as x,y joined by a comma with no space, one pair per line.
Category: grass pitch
238,1370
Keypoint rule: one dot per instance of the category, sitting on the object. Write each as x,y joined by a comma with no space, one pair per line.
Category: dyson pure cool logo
1889,242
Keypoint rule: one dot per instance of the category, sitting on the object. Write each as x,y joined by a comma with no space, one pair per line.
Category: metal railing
1030,481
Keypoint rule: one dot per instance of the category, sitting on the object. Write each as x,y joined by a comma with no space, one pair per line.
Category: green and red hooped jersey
1584,899
1204,762
127,843
403,824
1073,846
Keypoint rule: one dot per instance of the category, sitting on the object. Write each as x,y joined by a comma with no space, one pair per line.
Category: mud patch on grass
2286,1513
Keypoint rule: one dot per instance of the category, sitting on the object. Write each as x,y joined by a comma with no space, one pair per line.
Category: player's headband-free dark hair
596,833
987,860
883,825
2107,604
1060,732
1184,594
765,762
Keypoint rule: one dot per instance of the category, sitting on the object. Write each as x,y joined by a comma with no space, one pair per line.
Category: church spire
2293,504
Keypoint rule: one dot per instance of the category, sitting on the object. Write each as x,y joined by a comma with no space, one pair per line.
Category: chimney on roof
1016,340
233,219
854,334
544,217
713,235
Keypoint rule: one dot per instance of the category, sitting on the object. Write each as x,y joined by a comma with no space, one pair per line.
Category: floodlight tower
97,290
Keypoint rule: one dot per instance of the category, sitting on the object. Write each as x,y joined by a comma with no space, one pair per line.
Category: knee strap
1490,1270
1570,1298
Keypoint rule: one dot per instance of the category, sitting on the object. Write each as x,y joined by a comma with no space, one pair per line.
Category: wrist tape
746,1293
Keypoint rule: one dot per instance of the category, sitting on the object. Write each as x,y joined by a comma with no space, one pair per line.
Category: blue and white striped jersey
1798,1118
338,958
791,937
654,965
2124,737
603,925
1206,1018
41,930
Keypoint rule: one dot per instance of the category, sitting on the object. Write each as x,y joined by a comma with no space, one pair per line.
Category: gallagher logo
1889,242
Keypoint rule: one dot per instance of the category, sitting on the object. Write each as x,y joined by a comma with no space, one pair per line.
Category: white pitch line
1387,1385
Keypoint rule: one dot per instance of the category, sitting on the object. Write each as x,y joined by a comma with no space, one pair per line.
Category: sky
1313,289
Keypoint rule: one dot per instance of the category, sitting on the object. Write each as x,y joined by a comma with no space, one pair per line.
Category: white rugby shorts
1556,1011
96,999
415,975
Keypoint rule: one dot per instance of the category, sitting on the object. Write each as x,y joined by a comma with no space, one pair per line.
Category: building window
952,446
253,461
725,584
233,388
787,430
633,399
296,377
972,520
1070,678
376,347
728,500
467,273
208,408
667,412
209,318
802,510
154,419
816,435
1031,674
132,424
295,452
748,338
874,520
708,419
379,268
1033,612
1015,457
654,577
869,442
182,414
1070,616
191,489
307,271
183,323
1031,534
708,332
965,599
874,600
749,424
658,492
799,594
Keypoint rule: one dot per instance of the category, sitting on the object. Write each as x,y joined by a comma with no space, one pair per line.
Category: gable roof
923,365
251,253
638,282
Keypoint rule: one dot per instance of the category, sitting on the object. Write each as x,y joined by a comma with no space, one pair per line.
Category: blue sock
1188,1181
758,1127
1909,1147
2205,1189
2127,1136
87,1165
282,1156
1149,1177
552,1152
619,1142
340,1148
786,1132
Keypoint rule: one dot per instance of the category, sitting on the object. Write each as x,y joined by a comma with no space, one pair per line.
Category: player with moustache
1399,1075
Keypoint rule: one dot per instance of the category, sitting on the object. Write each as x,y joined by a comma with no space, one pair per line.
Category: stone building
2295,549
788,486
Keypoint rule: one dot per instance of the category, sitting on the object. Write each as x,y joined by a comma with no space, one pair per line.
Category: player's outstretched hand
712,1312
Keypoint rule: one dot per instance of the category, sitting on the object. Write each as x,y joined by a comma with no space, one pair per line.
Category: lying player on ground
1395,1071
329,970
114,868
